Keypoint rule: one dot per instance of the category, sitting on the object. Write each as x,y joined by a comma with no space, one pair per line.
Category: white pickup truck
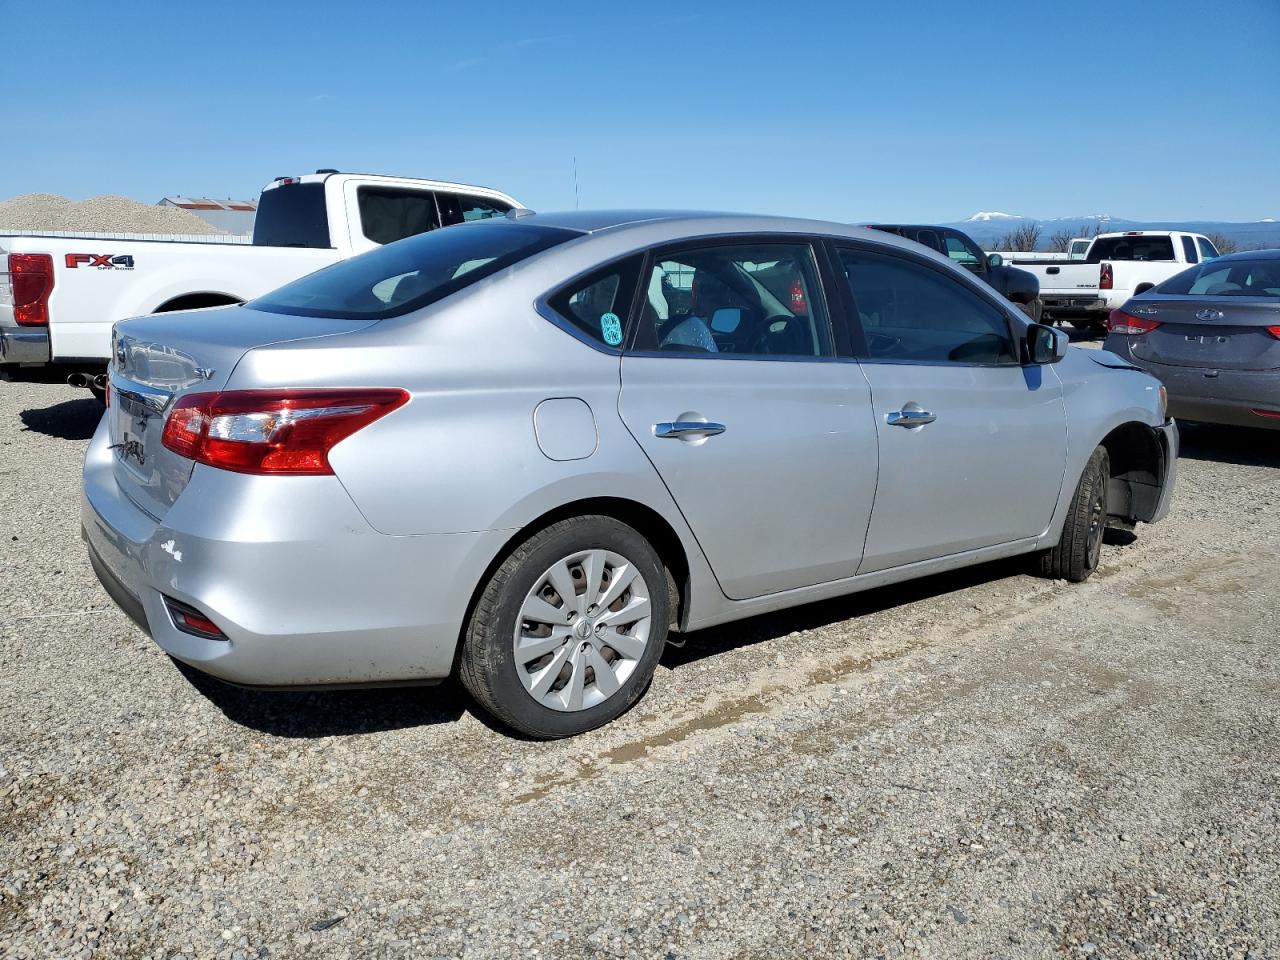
59,295
1116,267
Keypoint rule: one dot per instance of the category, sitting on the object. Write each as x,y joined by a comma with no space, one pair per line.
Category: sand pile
106,214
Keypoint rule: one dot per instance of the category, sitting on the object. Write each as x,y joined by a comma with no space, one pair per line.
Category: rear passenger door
764,438
972,445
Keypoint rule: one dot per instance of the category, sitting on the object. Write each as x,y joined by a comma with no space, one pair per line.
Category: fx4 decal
103,261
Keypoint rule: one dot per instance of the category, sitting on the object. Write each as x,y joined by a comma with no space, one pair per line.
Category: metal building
233,216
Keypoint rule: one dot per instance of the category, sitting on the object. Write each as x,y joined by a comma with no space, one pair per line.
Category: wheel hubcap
582,630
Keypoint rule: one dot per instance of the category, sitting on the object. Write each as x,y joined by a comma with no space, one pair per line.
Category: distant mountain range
988,226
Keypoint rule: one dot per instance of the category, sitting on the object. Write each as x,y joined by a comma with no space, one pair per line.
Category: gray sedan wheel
568,631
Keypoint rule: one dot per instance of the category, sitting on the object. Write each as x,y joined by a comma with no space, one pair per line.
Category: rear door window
733,300
388,214
597,305
464,207
1189,250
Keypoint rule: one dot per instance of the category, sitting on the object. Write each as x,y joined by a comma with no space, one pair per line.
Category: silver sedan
526,450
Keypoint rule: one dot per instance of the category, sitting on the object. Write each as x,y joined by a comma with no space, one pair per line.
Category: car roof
595,221
1247,255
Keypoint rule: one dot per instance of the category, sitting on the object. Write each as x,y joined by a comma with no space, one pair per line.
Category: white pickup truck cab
60,294
1116,267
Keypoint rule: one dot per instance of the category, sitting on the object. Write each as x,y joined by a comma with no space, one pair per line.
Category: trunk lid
1224,333
158,358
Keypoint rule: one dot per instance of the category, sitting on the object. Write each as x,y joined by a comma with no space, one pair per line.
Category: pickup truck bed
61,293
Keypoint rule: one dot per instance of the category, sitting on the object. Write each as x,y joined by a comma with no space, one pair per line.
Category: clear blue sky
846,110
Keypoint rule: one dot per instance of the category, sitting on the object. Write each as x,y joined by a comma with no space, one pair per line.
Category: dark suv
1021,287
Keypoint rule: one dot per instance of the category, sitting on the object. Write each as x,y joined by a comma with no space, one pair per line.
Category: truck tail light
31,280
273,431
1128,324
1106,277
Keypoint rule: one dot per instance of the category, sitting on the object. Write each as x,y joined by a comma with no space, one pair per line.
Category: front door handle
693,429
909,418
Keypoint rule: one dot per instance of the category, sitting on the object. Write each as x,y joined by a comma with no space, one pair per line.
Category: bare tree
1020,239
1060,242
1224,243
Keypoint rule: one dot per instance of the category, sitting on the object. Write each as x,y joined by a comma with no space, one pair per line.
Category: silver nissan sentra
527,449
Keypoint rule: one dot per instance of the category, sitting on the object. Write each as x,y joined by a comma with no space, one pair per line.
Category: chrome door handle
909,418
687,428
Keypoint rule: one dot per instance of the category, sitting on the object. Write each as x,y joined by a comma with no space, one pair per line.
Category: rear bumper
1067,305
306,593
1212,395
20,345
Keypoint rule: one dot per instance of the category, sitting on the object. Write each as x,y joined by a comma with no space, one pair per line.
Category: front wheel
568,631
1078,550
1034,309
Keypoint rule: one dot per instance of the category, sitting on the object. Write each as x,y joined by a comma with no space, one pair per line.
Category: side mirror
1046,344
995,260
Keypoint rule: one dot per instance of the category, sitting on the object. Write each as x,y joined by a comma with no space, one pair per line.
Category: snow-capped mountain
989,226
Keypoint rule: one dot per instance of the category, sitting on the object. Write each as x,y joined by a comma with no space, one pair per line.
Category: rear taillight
31,280
273,431
1106,277
1128,324
1274,331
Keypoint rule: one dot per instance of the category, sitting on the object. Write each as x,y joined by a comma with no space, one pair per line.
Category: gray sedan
526,450
1212,335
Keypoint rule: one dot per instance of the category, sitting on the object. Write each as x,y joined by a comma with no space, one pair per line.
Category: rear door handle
693,429
909,418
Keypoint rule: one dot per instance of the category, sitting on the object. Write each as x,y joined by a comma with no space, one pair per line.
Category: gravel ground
105,214
976,765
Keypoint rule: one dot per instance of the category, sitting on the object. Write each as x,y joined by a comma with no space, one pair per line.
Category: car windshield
413,272
1235,278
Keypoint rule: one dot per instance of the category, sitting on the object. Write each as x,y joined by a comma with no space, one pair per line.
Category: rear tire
581,556
1078,550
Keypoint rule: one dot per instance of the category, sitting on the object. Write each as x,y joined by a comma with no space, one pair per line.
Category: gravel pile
105,214
982,764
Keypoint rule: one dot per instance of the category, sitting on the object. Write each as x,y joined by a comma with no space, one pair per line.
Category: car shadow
701,644
307,714
1241,446
69,420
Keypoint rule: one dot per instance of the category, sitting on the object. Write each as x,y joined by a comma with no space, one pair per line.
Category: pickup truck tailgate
159,358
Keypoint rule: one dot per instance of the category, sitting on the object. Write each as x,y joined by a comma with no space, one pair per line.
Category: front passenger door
972,444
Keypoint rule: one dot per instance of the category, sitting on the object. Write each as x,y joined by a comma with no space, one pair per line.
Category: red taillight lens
1128,324
31,280
1274,331
273,431
1106,277
190,620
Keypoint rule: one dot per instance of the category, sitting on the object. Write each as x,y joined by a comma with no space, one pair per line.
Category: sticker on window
611,328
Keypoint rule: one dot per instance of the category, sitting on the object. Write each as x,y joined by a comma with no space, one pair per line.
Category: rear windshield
292,216
1131,248
413,272
1234,278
